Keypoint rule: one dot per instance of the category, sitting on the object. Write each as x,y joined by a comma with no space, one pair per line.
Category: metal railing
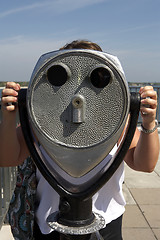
7,185
8,175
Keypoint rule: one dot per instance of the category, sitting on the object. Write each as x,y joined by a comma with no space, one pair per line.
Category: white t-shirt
108,201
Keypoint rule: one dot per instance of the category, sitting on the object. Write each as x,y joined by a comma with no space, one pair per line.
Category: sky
125,28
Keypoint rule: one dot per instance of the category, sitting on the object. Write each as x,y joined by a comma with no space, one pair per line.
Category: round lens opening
100,77
57,75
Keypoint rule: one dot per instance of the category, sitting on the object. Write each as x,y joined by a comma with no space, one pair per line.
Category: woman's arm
144,150
13,149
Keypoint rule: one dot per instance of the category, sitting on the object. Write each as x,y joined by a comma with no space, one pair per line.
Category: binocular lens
100,77
57,75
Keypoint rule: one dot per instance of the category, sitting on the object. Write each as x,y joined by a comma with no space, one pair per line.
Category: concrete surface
141,220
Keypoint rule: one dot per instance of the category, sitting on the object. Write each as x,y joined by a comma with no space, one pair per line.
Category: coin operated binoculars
72,115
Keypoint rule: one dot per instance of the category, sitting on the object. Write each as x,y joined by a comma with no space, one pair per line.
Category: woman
109,201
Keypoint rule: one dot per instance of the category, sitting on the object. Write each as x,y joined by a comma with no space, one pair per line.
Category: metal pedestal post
75,220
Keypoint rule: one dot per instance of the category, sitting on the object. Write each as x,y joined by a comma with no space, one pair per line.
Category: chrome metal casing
77,123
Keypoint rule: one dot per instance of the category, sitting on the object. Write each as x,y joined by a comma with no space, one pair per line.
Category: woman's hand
148,106
144,150
9,96
13,149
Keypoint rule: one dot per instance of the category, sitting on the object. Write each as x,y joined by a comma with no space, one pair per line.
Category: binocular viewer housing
78,102
72,115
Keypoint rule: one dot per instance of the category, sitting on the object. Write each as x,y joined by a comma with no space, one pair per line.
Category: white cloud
21,9
140,27
19,56
140,65
57,6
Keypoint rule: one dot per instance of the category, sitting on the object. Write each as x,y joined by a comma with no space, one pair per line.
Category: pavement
141,220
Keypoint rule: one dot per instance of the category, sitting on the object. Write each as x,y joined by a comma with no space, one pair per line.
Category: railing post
7,185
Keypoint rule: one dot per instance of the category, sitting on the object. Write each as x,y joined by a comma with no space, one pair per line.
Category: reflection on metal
95,226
